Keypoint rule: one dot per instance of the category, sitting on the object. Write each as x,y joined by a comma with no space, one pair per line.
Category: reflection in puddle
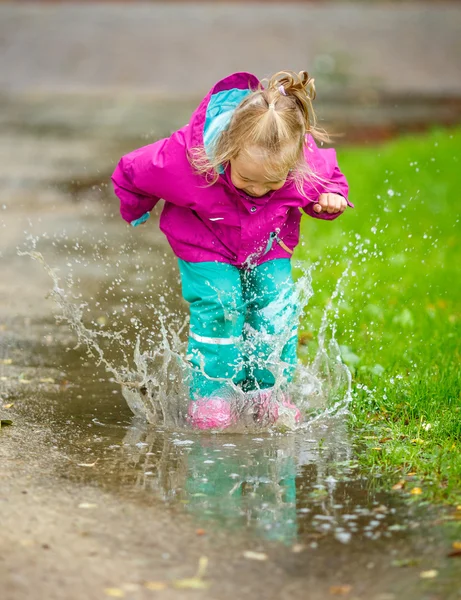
299,487
279,487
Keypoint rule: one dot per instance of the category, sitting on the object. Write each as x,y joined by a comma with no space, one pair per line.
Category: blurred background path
182,49
96,80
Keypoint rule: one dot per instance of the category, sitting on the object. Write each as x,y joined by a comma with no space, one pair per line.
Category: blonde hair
275,119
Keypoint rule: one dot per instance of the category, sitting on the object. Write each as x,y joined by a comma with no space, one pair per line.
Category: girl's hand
330,203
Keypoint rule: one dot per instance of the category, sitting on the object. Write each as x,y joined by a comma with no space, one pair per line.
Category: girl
234,181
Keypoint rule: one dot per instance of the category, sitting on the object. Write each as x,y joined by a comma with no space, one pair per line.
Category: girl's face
249,174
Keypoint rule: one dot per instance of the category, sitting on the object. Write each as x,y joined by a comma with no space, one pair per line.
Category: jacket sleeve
148,174
326,179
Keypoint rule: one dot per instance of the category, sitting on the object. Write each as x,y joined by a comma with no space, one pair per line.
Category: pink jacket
219,222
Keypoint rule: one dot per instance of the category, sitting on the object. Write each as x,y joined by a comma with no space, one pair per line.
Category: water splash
153,373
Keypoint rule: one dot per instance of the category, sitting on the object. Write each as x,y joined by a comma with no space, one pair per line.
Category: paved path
169,48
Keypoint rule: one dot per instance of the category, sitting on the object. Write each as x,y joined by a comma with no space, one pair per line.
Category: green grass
399,320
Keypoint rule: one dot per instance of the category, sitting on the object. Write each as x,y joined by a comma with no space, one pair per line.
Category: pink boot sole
287,403
210,413
266,411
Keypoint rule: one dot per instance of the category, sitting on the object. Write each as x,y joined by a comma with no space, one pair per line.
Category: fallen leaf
87,505
46,380
377,448
406,562
454,553
418,441
202,566
305,337
255,555
195,583
4,422
431,574
87,464
399,485
200,532
114,592
8,405
156,586
340,590
456,545
416,491
381,509
297,548
397,527
6,361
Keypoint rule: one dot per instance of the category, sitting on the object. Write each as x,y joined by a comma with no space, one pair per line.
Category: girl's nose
258,190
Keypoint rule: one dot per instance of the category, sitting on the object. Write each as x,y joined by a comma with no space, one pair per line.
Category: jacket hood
215,111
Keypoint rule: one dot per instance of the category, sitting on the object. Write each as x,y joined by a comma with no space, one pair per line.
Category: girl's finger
332,204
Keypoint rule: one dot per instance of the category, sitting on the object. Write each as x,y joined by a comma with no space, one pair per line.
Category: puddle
297,498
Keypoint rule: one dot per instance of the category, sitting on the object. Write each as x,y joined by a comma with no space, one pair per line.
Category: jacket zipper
275,236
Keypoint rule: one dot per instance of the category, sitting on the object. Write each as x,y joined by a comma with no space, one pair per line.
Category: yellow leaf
156,586
6,361
456,545
340,590
202,566
114,592
46,380
418,441
377,448
8,405
416,490
399,485
194,583
254,555
429,574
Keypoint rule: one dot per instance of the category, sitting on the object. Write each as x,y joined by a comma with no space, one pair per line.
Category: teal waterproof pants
243,326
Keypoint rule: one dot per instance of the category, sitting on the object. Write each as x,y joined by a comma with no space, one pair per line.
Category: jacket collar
202,115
